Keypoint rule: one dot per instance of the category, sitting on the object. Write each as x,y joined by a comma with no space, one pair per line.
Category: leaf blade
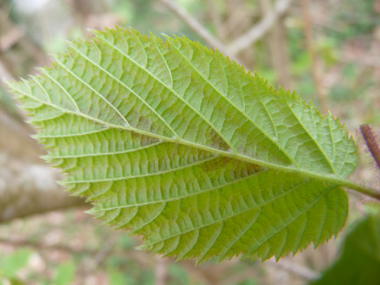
155,132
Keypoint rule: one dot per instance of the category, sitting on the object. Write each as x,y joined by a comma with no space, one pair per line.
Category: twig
196,274
277,47
195,26
260,29
249,273
41,246
144,259
371,143
297,269
14,113
216,20
10,38
15,35
236,21
313,59
31,48
4,73
30,188
160,270
107,246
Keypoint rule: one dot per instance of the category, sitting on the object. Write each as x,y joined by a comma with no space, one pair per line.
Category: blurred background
327,50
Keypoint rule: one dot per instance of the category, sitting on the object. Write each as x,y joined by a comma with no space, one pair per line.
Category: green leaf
369,207
11,264
359,261
115,277
65,273
179,274
15,281
181,145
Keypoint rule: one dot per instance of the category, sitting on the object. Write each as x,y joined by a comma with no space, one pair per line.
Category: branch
276,43
371,143
27,186
313,57
4,73
18,35
7,104
260,29
216,19
31,189
17,243
161,275
236,21
142,258
300,270
13,36
283,264
195,26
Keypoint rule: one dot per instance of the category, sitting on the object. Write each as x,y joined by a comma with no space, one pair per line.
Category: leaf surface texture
180,145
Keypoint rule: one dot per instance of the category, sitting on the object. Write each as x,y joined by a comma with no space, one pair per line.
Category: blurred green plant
65,273
11,264
359,260
355,18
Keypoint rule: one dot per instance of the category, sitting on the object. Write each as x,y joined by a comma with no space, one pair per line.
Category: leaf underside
181,145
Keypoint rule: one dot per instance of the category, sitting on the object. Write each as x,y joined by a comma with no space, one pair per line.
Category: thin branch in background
107,246
235,21
195,26
17,243
283,264
142,258
161,275
7,40
31,48
371,143
30,188
216,19
15,35
4,74
299,270
8,107
307,25
260,29
277,47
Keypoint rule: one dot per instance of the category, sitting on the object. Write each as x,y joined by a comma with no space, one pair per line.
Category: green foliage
179,274
359,261
65,273
11,264
7,103
115,277
356,19
185,148
122,270
369,207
